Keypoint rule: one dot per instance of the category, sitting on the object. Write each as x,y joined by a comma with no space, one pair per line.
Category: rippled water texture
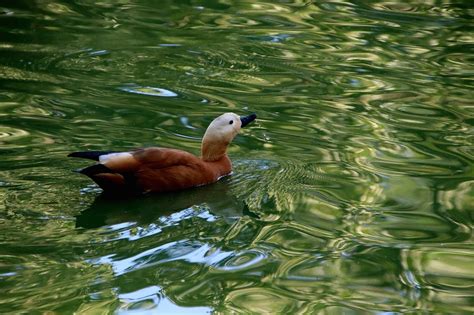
353,193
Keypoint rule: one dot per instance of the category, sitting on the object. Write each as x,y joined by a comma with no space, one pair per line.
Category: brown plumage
162,169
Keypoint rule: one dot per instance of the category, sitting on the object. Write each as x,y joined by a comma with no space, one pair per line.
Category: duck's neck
213,149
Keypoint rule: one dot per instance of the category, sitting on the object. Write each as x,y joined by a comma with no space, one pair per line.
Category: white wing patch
119,162
116,157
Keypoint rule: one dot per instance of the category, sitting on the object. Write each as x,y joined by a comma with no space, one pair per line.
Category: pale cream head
219,134
226,126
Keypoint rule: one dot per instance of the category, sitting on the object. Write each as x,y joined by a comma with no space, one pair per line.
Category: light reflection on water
351,193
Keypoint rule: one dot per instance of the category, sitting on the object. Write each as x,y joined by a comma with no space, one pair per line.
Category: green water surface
353,192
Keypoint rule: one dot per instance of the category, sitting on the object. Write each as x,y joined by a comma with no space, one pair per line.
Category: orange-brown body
162,169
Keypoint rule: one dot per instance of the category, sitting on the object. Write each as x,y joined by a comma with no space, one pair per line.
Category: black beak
247,119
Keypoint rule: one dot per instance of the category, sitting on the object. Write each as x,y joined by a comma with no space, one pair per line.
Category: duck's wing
127,171
127,162
163,170
159,158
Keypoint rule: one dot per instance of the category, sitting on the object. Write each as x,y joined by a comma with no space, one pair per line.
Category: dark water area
353,192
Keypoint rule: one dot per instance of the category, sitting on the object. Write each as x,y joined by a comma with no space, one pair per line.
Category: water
353,193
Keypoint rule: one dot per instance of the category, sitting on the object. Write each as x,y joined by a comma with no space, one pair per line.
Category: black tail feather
92,155
95,169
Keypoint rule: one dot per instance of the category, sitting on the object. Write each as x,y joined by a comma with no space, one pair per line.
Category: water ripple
147,90
352,192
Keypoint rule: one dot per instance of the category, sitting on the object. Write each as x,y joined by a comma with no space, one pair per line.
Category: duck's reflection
142,210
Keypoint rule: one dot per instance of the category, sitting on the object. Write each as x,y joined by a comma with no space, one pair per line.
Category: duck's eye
231,122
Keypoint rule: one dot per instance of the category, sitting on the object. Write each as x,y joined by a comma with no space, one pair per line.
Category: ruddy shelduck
156,169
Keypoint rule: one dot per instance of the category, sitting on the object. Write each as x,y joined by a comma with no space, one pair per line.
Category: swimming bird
156,169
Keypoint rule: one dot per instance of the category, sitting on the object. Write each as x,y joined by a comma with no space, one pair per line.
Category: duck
161,170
